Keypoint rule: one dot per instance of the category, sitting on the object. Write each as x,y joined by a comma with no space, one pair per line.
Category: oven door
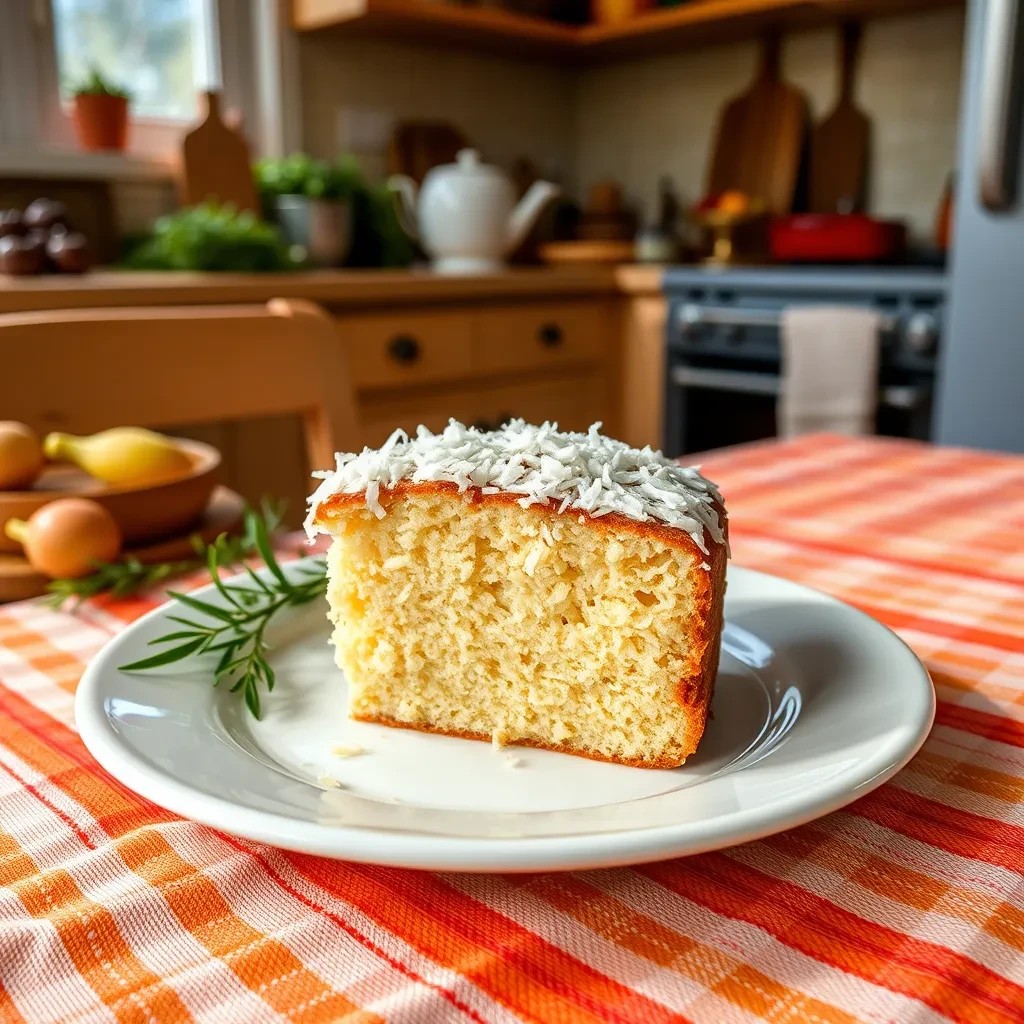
710,405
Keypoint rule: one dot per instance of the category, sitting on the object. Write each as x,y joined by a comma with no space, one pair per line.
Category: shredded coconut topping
587,473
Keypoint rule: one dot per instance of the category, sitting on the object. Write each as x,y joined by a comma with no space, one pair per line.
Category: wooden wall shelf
489,29
494,30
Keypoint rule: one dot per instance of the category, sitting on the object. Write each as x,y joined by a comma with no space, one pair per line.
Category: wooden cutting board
841,144
215,162
760,138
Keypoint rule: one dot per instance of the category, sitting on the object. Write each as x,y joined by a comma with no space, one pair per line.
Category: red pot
101,122
836,238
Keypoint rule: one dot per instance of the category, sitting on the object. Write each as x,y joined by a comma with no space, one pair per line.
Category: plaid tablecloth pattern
907,906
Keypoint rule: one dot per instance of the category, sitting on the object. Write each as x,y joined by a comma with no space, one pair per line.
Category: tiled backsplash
637,120
508,108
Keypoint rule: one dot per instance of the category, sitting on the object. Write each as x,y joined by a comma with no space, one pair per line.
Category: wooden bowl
145,514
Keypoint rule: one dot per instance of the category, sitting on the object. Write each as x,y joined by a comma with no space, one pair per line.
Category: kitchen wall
507,108
637,120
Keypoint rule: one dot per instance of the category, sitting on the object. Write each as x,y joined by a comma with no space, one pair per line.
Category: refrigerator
980,400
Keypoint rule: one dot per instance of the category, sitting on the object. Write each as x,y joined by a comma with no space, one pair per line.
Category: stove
724,349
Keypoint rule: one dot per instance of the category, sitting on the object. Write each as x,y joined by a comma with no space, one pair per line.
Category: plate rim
501,854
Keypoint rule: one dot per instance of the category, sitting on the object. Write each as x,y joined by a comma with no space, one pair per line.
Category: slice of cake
527,586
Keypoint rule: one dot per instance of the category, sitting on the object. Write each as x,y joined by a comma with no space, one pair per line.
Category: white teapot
467,218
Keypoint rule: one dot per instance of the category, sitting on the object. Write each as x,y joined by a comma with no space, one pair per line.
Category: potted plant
211,237
100,112
311,200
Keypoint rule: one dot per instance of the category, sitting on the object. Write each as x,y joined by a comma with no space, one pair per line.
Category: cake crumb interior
485,620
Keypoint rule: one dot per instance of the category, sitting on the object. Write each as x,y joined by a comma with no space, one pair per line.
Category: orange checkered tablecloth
907,906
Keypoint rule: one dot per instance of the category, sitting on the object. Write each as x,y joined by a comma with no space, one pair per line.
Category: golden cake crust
694,690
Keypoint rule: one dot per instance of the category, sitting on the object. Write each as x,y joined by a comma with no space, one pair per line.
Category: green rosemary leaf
214,567
226,655
259,581
252,698
182,634
216,612
262,541
188,622
164,657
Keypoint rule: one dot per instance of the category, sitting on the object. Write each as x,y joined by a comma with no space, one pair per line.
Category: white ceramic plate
816,705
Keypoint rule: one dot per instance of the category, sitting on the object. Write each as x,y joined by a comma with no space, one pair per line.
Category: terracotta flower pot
101,121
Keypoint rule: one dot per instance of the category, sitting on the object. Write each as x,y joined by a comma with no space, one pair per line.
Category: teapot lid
468,163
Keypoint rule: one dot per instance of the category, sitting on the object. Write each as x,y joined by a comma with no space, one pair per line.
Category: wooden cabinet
543,336
414,347
484,364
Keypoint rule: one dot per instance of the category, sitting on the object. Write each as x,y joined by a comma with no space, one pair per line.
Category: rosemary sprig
236,630
129,575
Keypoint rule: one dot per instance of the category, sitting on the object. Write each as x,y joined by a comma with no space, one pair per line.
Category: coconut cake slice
527,586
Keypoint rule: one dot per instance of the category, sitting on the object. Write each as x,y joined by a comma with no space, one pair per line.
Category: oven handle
693,314
896,396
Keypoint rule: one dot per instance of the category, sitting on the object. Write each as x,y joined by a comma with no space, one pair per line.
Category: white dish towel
829,370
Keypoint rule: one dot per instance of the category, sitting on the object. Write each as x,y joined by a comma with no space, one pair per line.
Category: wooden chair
85,370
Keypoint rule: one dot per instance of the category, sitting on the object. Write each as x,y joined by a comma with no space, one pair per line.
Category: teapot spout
539,194
404,190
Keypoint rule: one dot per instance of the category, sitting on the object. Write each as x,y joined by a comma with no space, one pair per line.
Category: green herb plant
95,83
235,630
212,236
303,175
377,237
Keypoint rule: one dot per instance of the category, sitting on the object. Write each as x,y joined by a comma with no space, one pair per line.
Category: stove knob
691,318
921,333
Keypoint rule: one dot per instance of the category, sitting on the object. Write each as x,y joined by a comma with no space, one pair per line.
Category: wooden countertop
329,287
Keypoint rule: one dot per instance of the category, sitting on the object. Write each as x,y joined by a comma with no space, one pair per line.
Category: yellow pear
122,456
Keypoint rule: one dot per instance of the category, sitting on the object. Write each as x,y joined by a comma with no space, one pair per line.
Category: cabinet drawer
542,335
394,351
574,401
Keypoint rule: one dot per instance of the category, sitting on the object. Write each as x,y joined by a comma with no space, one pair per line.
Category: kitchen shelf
496,30
702,22
484,28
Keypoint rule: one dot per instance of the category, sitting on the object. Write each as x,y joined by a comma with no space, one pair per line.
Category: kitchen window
159,50
165,52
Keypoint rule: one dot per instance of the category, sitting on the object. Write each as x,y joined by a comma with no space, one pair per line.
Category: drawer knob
550,335
404,349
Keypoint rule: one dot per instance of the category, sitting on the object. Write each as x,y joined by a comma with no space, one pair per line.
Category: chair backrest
86,370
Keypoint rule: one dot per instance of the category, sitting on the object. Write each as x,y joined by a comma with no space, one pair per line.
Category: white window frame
253,64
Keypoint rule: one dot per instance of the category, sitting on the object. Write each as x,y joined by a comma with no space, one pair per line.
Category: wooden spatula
760,138
215,162
841,144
